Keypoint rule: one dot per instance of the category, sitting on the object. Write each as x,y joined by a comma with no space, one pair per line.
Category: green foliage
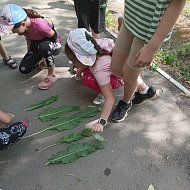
80,135
98,137
186,10
71,138
154,67
42,103
54,113
73,121
77,136
184,50
74,152
185,72
70,122
111,21
169,58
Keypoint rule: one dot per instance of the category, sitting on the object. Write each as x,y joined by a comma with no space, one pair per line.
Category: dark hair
72,57
30,13
69,53
100,51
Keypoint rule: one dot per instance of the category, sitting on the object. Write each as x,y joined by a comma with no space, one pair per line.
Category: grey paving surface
150,146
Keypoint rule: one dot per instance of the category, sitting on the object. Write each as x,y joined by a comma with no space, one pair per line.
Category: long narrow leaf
53,113
73,153
42,103
70,122
74,120
75,137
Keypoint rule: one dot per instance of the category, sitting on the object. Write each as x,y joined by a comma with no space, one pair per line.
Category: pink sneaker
47,82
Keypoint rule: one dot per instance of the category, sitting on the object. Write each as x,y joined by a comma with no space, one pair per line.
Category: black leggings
45,51
11,134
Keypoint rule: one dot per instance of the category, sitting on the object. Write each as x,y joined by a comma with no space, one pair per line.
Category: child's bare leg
120,21
141,85
95,35
3,52
51,71
7,59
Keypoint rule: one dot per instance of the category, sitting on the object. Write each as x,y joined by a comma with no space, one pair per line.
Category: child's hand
144,57
11,115
95,126
79,71
6,117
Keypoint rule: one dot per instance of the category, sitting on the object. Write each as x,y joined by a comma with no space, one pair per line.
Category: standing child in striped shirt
42,40
145,26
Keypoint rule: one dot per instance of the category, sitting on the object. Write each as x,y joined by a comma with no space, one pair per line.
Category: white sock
144,91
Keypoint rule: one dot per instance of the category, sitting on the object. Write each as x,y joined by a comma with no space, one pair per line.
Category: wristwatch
102,121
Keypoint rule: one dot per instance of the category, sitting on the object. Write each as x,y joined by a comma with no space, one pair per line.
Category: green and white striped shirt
142,17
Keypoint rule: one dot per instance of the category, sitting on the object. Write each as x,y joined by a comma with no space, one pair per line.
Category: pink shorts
89,81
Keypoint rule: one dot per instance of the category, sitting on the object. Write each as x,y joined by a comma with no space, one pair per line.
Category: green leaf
75,120
87,132
80,135
42,103
73,153
54,113
71,137
98,137
75,137
70,122
154,67
151,187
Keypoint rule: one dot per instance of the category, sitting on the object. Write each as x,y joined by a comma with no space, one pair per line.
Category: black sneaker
151,94
120,112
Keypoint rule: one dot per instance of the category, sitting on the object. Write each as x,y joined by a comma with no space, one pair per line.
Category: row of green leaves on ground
74,151
73,117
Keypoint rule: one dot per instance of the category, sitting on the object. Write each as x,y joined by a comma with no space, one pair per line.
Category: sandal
47,82
10,62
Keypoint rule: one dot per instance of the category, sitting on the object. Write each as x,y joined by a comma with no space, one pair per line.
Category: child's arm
146,54
107,91
6,117
80,71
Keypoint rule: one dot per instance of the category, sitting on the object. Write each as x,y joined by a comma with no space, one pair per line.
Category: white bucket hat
82,48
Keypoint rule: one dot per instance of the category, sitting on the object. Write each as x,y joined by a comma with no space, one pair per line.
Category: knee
44,49
130,77
23,69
